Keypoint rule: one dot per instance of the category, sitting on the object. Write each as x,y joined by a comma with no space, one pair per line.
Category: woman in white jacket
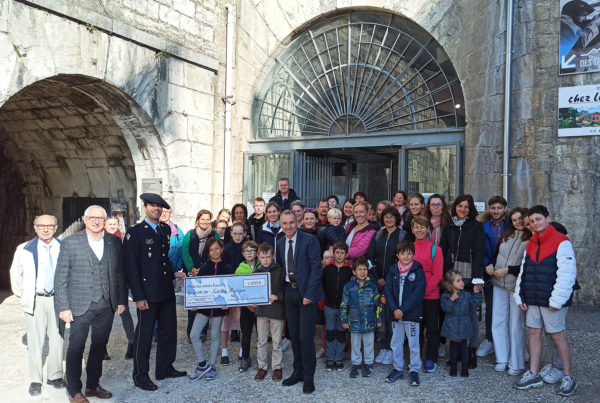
507,318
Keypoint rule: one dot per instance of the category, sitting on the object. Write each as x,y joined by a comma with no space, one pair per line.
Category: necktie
290,262
48,272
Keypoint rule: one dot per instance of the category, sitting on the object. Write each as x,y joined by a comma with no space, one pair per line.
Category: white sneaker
380,356
500,367
285,344
442,351
485,348
550,374
388,358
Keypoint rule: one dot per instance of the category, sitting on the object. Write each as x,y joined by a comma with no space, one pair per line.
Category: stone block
189,25
198,79
169,16
185,7
200,130
173,127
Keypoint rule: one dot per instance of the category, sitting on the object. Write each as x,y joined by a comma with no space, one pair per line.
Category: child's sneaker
429,367
394,376
567,386
244,365
414,378
329,365
529,380
550,374
355,371
225,360
211,373
442,351
199,372
339,365
367,370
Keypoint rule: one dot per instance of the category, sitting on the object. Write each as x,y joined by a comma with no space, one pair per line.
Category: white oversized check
229,290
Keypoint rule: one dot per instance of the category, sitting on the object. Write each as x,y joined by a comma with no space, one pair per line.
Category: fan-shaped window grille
360,72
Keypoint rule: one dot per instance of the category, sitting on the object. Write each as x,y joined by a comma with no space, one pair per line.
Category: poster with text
579,111
579,50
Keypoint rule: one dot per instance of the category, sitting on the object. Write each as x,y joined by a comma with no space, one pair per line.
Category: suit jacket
149,270
23,273
73,274
307,264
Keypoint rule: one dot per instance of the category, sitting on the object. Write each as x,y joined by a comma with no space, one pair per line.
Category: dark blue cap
153,198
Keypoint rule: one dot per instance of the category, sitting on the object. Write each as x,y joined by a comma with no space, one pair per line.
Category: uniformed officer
150,276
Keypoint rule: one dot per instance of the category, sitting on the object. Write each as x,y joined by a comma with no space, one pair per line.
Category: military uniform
150,275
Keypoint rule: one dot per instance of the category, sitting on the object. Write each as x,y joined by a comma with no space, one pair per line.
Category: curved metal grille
359,73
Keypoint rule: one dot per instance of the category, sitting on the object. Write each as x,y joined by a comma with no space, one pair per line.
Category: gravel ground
483,385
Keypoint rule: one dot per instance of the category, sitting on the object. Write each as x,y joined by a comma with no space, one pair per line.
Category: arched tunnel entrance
67,141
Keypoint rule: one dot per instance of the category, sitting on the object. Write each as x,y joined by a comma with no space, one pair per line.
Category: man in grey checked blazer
89,286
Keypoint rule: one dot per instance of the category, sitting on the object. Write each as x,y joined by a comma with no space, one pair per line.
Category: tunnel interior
60,140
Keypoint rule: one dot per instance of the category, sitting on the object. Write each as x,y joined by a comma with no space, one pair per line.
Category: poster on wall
579,50
579,111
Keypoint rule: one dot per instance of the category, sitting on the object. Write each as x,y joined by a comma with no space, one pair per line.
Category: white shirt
42,253
97,245
287,246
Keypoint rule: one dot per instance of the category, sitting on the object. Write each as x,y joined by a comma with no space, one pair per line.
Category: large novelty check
229,290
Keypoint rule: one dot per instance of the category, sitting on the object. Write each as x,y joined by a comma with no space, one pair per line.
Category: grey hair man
32,280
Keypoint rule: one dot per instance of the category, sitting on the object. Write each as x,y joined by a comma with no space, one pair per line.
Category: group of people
406,268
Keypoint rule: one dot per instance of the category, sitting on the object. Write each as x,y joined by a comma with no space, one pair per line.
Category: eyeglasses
249,251
436,204
98,219
45,226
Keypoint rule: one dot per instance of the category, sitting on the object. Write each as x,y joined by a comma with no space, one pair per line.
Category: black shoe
225,360
464,371
355,371
292,380
171,373
244,365
453,371
58,383
472,357
308,387
145,383
129,353
35,389
329,365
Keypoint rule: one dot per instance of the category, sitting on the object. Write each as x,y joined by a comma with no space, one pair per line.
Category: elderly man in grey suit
32,280
89,285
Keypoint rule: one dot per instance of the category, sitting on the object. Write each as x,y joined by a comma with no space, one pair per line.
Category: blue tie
48,273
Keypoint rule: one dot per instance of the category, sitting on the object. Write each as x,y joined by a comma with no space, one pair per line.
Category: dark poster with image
579,50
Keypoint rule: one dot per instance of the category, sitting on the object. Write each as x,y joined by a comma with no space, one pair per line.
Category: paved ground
484,385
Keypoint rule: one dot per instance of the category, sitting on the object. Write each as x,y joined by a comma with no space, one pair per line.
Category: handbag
463,268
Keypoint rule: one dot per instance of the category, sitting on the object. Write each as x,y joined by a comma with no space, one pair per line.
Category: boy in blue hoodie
360,311
404,291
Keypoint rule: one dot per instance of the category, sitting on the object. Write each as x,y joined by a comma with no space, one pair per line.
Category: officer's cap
153,198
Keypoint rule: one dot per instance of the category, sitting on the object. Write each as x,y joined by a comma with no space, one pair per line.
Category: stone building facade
98,95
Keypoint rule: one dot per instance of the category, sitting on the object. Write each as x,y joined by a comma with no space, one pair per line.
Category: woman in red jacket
431,258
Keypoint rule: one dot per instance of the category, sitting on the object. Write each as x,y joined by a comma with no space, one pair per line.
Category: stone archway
69,136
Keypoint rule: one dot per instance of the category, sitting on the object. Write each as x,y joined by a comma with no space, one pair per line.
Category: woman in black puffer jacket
463,245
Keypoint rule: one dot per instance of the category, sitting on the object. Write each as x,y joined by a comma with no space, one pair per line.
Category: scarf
404,269
202,237
457,221
174,230
436,232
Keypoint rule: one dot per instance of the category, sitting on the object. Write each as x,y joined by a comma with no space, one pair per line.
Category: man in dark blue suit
299,253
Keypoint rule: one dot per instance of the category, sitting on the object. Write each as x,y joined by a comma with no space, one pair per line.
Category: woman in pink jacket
360,231
431,258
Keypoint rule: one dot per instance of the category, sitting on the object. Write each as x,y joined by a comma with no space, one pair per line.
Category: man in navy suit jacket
299,254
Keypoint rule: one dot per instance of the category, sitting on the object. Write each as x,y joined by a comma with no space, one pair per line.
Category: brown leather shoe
99,392
277,375
78,398
260,375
